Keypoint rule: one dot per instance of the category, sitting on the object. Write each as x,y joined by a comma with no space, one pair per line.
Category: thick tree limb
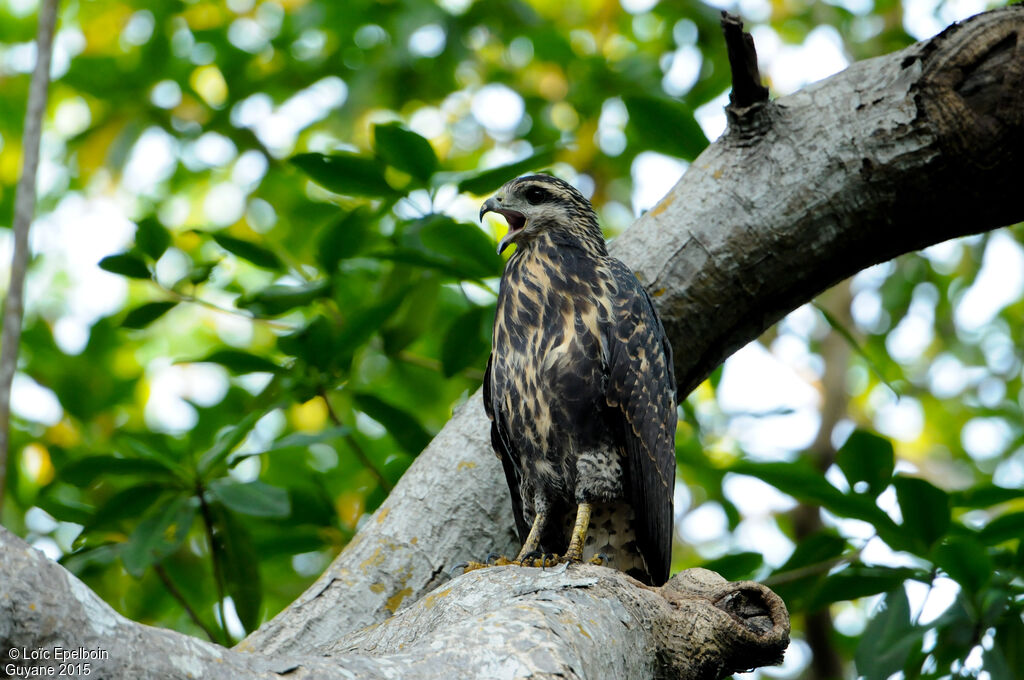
582,622
891,155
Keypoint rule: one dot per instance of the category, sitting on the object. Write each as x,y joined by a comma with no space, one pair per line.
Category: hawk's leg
532,541
574,553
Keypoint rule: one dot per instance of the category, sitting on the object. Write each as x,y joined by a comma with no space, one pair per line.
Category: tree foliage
301,297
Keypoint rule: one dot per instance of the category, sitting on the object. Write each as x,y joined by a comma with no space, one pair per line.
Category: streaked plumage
579,387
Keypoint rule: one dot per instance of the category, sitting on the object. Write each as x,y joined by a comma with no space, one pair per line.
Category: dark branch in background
747,89
24,210
215,562
165,578
353,444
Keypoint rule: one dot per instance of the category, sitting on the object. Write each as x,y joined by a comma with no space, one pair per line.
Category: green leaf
251,498
200,273
63,508
889,638
806,484
486,181
818,549
158,535
136,448
857,581
466,245
345,173
984,496
1010,641
343,238
1003,528
737,566
313,344
152,238
239,362
257,254
925,509
405,150
278,298
401,425
240,566
84,471
145,314
867,458
303,440
361,326
129,503
126,264
665,125
965,560
226,443
463,343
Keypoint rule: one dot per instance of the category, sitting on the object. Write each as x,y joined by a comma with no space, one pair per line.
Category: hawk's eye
535,195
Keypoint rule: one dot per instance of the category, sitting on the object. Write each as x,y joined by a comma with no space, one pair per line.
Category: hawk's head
538,204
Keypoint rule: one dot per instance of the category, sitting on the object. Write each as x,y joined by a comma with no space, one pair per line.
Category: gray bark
581,622
891,155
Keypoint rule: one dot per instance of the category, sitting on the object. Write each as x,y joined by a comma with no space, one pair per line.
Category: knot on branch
724,627
748,94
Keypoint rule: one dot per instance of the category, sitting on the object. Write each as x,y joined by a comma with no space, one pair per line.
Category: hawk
579,388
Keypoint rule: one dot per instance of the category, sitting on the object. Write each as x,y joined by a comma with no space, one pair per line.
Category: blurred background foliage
258,290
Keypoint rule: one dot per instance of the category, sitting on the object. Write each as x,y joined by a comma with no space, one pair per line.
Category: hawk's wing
503,449
642,390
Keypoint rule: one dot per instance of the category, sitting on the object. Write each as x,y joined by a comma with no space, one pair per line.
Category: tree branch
507,621
24,211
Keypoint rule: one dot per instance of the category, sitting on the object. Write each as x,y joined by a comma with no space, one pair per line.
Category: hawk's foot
538,558
492,560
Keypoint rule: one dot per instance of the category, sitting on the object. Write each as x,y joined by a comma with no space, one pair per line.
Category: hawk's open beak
516,220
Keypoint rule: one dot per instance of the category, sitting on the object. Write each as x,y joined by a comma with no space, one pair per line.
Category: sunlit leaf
152,238
466,245
240,362
925,509
486,181
251,498
965,560
345,173
463,343
279,298
400,424
402,148
888,639
257,254
736,566
226,443
158,534
665,125
128,503
126,264
343,238
84,471
856,581
866,458
1003,528
145,314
